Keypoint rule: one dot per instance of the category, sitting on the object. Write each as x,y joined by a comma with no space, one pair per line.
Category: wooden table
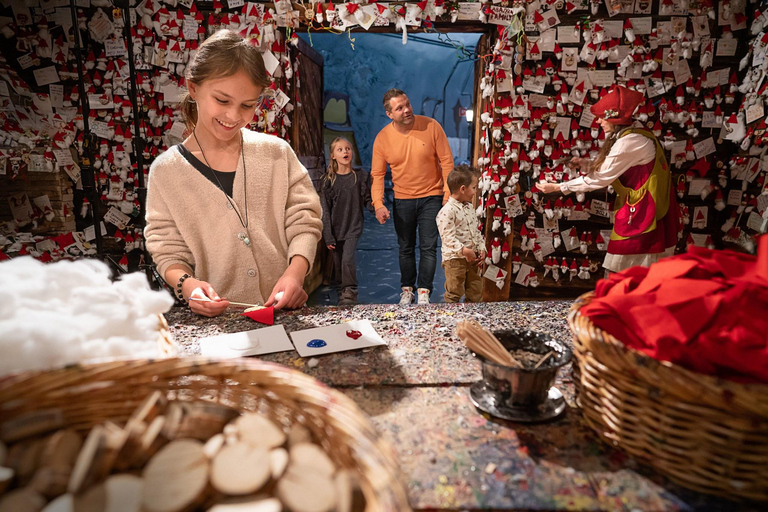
454,457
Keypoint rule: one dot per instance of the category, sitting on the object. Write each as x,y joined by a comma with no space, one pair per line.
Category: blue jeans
408,215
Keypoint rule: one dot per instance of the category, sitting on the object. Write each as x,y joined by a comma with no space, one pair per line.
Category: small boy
463,245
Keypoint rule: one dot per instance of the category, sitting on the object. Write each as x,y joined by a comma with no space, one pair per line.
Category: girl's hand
293,297
292,285
202,298
480,258
468,254
548,188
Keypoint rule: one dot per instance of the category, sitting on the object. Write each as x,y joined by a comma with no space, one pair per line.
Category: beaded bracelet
180,295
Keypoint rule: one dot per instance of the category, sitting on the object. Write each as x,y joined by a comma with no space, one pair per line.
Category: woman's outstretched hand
548,188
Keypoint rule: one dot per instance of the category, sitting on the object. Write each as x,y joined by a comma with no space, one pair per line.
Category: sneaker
423,296
407,296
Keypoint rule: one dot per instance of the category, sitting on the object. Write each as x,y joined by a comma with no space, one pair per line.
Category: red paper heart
354,334
264,316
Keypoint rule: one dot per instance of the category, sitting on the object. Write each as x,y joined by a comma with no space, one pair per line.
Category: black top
227,179
343,204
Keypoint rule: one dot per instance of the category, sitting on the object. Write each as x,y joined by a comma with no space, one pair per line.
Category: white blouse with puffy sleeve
630,150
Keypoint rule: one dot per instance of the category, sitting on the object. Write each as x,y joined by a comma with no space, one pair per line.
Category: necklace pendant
244,238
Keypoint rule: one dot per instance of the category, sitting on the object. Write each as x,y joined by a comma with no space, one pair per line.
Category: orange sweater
420,161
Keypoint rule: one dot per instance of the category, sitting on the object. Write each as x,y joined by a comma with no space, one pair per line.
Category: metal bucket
516,387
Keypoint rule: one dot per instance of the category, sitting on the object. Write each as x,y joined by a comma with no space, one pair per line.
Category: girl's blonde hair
333,168
610,140
221,55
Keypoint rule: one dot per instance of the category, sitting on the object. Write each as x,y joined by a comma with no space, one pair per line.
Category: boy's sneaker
423,296
407,296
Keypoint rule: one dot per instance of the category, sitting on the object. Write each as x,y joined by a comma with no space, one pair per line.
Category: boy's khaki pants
461,278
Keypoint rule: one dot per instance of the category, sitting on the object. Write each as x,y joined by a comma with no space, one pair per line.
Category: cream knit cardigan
190,222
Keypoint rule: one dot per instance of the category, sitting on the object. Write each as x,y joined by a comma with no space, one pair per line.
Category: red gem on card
354,334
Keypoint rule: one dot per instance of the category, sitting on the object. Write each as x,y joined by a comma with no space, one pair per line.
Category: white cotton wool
70,311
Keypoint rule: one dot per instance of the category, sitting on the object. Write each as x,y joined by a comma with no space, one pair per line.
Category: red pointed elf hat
264,316
617,106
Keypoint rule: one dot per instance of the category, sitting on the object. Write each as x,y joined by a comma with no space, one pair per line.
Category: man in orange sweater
417,151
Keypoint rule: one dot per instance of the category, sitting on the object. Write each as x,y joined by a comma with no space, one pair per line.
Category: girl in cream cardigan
231,213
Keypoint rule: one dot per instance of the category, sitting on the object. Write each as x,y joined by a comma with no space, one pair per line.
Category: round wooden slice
343,483
249,505
278,461
299,434
176,477
304,489
87,461
64,503
6,475
240,469
22,500
311,455
51,481
124,493
257,430
92,500
213,445
62,448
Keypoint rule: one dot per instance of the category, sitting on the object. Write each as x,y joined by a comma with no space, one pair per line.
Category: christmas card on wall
357,334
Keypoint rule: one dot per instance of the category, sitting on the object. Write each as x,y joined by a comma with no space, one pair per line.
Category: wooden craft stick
541,361
483,342
245,305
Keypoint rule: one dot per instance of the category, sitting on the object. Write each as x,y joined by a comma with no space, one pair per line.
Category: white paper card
270,62
567,34
356,334
704,148
726,47
267,340
45,76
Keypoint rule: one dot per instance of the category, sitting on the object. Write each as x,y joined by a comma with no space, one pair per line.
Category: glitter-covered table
416,392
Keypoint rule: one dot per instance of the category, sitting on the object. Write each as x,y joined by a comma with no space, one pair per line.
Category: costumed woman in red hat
632,161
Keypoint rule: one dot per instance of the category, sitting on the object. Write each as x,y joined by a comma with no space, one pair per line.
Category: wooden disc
175,477
304,489
64,503
6,475
311,455
22,500
92,500
249,505
213,445
124,493
62,448
240,469
257,430
88,463
299,434
278,461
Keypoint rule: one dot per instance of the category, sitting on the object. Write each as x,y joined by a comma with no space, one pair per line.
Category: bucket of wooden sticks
519,367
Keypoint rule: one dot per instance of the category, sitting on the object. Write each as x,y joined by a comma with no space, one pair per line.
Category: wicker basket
81,396
166,346
704,433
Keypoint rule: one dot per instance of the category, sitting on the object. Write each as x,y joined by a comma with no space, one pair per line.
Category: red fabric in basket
705,310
